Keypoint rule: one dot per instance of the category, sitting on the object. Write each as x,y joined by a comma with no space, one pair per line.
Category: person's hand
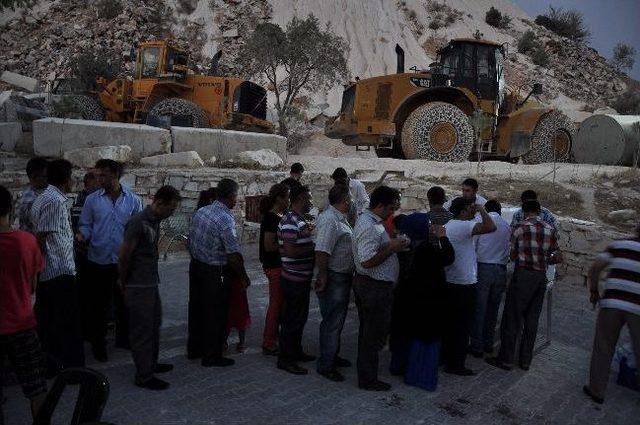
311,225
80,238
594,297
320,283
120,284
439,231
398,244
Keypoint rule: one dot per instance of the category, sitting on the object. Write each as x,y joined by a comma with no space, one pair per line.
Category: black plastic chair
92,397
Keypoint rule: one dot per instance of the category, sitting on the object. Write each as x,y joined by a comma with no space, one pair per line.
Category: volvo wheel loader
457,110
165,91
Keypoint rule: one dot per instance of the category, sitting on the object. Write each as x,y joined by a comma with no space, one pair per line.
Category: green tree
300,58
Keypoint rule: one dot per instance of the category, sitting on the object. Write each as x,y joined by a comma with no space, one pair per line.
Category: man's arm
369,248
487,225
270,242
85,224
513,253
601,262
322,262
124,260
131,234
234,256
289,234
363,201
47,222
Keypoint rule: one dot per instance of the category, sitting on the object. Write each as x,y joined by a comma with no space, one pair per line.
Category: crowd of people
429,284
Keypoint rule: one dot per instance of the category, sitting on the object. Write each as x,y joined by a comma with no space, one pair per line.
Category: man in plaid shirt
534,244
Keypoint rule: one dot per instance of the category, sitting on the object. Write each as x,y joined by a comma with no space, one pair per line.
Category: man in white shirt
492,250
469,190
359,196
461,279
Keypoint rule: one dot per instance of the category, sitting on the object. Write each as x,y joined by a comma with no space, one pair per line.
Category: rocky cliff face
40,42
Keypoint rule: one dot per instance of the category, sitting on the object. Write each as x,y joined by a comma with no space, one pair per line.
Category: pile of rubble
578,71
41,43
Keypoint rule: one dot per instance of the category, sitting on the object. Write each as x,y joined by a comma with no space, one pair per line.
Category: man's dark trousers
334,304
208,308
295,311
374,299
460,304
522,308
145,317
59,328
101,290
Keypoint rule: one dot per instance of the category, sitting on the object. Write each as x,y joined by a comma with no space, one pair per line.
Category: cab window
150,62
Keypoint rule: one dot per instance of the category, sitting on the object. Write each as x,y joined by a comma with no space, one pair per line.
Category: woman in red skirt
272,207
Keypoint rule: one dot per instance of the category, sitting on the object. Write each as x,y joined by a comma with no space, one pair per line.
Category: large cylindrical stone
608,140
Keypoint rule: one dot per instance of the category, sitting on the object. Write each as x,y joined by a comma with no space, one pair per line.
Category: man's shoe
496,362
292,368
595,398
340,362
153,384
459,371
99,352
270,351
332,375
163,368
375,386
304,357
217,362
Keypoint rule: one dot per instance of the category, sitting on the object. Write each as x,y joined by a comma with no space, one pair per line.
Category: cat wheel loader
457,110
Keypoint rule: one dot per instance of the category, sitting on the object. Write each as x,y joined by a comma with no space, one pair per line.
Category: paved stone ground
255,392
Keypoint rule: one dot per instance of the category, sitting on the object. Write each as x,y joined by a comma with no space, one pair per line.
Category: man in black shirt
138,276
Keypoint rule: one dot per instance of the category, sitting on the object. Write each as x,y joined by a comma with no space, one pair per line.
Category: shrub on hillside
442,15
539,56
108,9
92,63
627,103
566,23
528,42
623,57
496,19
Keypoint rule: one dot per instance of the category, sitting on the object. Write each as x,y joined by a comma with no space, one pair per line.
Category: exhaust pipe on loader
399,59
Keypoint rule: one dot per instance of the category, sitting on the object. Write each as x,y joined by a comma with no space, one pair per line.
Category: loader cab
477,65
160,60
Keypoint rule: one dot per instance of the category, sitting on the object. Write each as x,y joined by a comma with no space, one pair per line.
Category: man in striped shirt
56,305
297,253
619,305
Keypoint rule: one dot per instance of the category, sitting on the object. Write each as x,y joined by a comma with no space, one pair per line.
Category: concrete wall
54,136
224,144
10,135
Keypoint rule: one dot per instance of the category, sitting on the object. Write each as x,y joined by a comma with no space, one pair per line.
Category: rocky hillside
39,42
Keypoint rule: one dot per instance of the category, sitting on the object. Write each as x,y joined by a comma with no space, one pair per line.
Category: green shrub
539,56
627,103
566,23
528,42
496,19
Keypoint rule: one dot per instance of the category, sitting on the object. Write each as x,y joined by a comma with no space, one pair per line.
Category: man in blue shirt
104,216
215,258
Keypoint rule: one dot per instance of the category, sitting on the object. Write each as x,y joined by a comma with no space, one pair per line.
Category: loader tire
437,131
554,131
81,107
182,112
